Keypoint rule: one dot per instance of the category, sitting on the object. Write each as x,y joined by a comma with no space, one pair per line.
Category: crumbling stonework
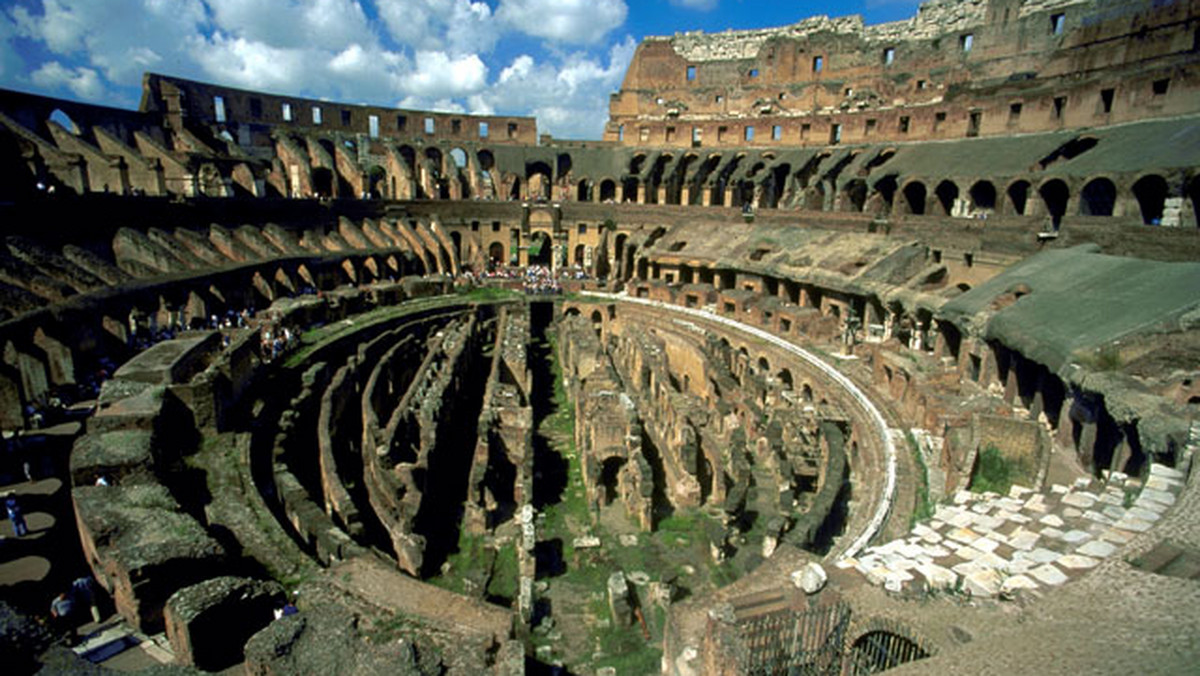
209,622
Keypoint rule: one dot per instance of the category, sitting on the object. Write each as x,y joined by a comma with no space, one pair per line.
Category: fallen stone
1023,540
1076,536
937,577
586,542
1052,520
1076,561
985,545
1017,583
1081,500
1142,513
964,535
1072,513
1048,574
1042,555
1133,524
1157,470
1097,548
982,583
811,578
1162,497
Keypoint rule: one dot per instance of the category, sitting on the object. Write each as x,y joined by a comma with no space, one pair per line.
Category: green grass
923,510
995,473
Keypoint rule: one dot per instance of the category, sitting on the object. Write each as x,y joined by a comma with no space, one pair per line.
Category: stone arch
764,364
1098,198
63,120
880,644
854,195
983,196
542,254
947,194
629,189
1018,196
785,379
1055,195
583,191
579,255
886,188
377,183
608,190
914,198
496,253
1151,194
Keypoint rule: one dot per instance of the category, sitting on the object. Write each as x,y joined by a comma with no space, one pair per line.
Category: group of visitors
540,281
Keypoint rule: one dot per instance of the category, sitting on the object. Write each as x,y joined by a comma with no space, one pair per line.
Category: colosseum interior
848,348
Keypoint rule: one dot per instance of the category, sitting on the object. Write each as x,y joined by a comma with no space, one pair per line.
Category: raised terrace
724,393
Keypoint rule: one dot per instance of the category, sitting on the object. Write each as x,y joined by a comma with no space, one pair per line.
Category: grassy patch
923,510
489,294
996,473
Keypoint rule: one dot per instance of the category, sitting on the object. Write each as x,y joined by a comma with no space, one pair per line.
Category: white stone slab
1076,561
1093,515
1113,512
985,545
1019,566
1152,495
1072,513
966,568
963,497
1115,499
1097,548
1142,513
936,551
1082,482
1116,535
992,561
1023,540
985,522
1161,484
1132,524
964,535
937,577
1059,489
1017,583
931,537
1042,555
1052,533
1157,470
968,553
1052,520
1076,536
1048,574
962,520
981,507
983,583
1018,492
1035,503
1079,499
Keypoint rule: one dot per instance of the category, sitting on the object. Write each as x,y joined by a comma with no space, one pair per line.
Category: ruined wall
958,68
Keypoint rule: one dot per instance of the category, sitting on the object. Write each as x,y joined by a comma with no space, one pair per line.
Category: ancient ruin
848,348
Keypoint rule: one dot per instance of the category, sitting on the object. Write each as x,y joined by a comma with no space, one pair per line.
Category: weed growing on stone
923,510
995,473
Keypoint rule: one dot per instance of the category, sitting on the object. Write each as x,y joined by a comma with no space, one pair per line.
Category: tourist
15,515
83,595
62,610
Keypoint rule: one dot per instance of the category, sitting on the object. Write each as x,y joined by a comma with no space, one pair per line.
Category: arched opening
764,366
377,184
63,120
656,176
947,194
1054,197
629,188
539,177
459,156
1018,196
854,195
806,393
456,239
886,189
1098,198
914,198
583,191
540,249
877,651
608,190
514,191
563,165
1151,194
322,182
610,474
785,380
983,196
496,254
579,251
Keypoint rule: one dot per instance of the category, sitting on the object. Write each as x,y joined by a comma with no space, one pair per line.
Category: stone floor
989,545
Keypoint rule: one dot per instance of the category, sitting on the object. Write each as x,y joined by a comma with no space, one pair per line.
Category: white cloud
320,24
569,21
82,82
438,75
460,26
698,5
570,100
120,38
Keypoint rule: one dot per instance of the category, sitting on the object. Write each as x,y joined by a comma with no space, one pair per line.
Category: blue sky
557,60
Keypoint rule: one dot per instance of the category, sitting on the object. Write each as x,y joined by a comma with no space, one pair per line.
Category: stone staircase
989,545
